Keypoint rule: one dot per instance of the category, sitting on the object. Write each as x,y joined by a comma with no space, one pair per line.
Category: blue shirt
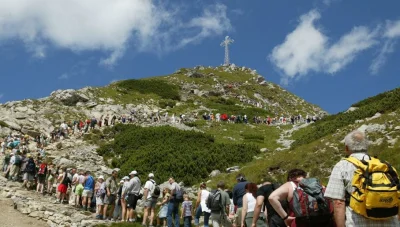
238,193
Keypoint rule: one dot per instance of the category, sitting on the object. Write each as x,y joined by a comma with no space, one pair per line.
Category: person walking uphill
173,205
219,202
151,194
238,192
342,187
111,195
133,190
88,190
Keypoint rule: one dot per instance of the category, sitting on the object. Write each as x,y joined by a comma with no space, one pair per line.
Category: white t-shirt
75,178
150,184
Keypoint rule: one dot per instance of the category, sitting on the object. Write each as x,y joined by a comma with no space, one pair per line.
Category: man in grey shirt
173,205
220,218
133,190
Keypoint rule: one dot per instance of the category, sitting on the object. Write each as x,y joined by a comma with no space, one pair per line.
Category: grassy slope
319,156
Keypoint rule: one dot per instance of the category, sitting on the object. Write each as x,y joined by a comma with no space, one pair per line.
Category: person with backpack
88,189
364,189
100,192
249,203
29,172
6,161
238,193
307,205
201,206
151,194
41,177
111,194
15,162
273,218
218,202
133,192
173,205
63,186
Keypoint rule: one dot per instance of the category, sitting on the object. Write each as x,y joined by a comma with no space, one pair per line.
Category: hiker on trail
162,214
50,179
74,182
41,177
88,189
15,163
79,188
111,194
173,205
117,215
124,197
249,203
219,213
238,192
340,186
133,190
307,205
151,195
186,213
201,206
274,220
29,172
63,186
6,161
100,192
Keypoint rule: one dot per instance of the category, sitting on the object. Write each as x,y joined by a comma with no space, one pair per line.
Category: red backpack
42,168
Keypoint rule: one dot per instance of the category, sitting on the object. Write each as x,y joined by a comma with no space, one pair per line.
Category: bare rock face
69,97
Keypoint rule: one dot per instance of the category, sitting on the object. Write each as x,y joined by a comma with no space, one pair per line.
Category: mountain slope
317,150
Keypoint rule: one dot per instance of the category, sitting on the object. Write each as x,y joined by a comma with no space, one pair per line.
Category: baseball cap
151,175
134,172
125,178
121,181
100,177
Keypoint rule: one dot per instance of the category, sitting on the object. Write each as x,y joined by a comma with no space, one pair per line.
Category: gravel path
12,218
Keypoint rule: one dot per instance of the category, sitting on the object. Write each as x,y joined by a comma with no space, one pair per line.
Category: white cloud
308,49
110,26
390,34
64,76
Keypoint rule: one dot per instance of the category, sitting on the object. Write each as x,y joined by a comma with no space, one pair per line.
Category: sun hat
134,172
101,177
151,174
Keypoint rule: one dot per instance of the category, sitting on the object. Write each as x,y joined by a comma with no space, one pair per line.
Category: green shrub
188,156
164,103
155,86
382,103
3,124
229,107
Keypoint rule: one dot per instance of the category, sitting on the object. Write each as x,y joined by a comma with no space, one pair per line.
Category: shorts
132,201
109,200
99,201
42,178
150,202
79,189
62,188
28,177
87,193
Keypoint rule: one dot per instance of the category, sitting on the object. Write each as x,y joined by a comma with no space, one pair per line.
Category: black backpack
30,167
214,201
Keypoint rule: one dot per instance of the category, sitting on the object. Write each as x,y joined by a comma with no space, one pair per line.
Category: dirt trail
12,218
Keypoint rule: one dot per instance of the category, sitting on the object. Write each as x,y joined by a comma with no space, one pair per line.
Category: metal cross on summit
226,44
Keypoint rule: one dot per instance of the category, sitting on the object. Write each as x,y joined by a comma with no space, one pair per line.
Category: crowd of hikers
361,191
294,119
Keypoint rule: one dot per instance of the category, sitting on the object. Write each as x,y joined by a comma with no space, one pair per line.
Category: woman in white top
201,205
249,203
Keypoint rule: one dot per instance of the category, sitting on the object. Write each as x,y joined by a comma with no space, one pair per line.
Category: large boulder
69,97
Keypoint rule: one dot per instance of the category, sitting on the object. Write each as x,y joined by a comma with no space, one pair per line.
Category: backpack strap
357,163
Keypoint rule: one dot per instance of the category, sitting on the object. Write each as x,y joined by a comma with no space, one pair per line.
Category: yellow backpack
376,189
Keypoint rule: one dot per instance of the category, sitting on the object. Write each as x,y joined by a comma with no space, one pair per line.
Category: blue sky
331,53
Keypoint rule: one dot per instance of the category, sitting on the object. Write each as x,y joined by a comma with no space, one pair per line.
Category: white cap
151,175
134,172
125,178
100,177
121,181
